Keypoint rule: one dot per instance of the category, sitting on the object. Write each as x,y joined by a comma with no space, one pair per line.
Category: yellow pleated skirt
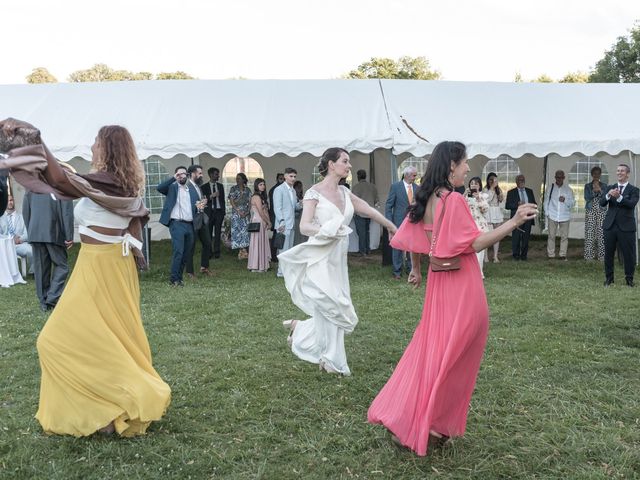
94,353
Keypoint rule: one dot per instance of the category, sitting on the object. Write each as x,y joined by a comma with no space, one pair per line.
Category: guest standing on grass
298,238
316,273
427,397
240,199
594,216
96,365
401,195
259,249
369,193
215,208
520,195
285,204
495,197
558,204
201,232
477,201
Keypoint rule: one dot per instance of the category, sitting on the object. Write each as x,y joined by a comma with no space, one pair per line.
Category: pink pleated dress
431,387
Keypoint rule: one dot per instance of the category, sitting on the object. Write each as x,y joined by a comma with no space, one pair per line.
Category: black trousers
520,241
205,240
50,270
215,229
362,229
625,243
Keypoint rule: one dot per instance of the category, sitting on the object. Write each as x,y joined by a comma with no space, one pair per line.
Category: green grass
557,395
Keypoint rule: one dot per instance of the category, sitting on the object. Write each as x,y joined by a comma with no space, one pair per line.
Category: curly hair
116,154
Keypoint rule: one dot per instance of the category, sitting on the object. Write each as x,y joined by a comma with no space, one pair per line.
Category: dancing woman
316,273
96,365
427,397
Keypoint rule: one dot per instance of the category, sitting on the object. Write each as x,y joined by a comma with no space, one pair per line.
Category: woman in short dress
240,199
259,249
594,216
494,217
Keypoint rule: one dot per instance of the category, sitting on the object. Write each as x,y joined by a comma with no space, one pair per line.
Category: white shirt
182,208
88,213
556,210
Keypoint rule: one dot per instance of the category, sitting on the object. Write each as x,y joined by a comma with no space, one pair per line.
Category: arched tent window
316,177
580,174
155,172
507,170
246,165
420,164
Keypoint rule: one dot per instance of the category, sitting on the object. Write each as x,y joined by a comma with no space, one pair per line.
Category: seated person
12,225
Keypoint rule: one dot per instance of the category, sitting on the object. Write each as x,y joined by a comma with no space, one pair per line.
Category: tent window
248,166
580,174
316,177
507,170
155,172
419,163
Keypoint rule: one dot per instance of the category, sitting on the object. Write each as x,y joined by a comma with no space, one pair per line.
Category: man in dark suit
50,230
620,225
201,231
215,208
401,195
272,215
4,193
178,213
520,236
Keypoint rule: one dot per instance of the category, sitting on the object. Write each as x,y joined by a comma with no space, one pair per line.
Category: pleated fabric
431,387
94,353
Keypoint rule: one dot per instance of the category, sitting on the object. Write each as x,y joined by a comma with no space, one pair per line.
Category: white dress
317,277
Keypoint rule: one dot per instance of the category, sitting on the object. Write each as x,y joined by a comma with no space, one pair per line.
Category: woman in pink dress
259,250
427,397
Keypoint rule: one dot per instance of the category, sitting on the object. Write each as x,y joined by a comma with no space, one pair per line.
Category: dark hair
193,168
299,194
437,176
330,155
477,179
493,174
290,170
212,170
596,168
279,175
262,195
244,178
362,174
178,168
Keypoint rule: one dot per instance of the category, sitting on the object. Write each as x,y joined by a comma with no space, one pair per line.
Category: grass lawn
558,395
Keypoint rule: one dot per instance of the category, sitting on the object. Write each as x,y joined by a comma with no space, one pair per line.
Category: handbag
439,264
254,227
278,240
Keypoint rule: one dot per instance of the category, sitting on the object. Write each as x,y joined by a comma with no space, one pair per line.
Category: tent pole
545,166
372,168
394,167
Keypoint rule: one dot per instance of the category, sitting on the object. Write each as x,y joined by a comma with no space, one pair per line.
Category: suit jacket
47,220
398,202
272,215
206,192
621,214
513,197
4,194
19,227
169,188
284,207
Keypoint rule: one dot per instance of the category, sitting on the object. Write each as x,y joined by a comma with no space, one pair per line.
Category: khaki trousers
562,229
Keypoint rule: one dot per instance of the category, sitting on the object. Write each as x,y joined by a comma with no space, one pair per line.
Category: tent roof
220,117
514,118
243,117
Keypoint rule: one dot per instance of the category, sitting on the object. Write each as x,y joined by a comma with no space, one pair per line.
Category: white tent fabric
219,117
243,117
513,118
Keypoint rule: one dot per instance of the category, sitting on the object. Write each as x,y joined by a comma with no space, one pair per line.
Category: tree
174,76
621,63
575,77
544,78
518,78
41,75
412,68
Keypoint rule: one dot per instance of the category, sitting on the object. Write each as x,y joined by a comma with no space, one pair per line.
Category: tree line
103,73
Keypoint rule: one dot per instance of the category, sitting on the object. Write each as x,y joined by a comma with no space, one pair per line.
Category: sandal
291,325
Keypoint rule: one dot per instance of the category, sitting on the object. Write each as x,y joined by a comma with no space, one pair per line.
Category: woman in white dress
494,217
316,273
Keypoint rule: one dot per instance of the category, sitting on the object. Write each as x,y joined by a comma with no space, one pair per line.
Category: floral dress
240,217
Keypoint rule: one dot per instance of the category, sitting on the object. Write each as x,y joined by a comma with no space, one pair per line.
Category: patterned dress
240,224
479,208
593,218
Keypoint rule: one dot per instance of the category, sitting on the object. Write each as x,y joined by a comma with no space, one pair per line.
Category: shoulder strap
437,232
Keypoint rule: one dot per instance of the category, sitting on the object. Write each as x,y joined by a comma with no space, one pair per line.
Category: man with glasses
558,204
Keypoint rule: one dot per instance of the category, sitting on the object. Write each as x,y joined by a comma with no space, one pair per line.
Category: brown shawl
41,173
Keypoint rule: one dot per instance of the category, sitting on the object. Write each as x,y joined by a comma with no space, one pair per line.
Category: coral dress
431,387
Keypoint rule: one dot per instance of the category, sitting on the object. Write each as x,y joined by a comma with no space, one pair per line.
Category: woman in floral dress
240,199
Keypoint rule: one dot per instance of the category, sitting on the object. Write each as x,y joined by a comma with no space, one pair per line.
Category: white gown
317,277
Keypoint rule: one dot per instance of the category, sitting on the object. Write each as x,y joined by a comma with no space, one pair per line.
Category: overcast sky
463,39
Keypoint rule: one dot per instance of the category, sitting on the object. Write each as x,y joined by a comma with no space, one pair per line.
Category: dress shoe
397,277
205,271
608,283
630,282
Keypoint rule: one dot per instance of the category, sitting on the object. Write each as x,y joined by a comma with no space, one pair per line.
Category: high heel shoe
291,325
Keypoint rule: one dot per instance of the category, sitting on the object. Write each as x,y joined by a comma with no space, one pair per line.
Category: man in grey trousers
50,230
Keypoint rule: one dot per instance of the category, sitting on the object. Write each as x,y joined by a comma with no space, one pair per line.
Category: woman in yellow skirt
96,365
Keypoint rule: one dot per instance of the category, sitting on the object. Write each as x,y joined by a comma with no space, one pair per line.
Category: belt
127,240
181,221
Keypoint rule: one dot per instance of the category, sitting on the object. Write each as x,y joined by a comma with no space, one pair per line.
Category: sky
471,40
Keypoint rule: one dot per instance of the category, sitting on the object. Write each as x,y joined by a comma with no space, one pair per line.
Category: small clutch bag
254,227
